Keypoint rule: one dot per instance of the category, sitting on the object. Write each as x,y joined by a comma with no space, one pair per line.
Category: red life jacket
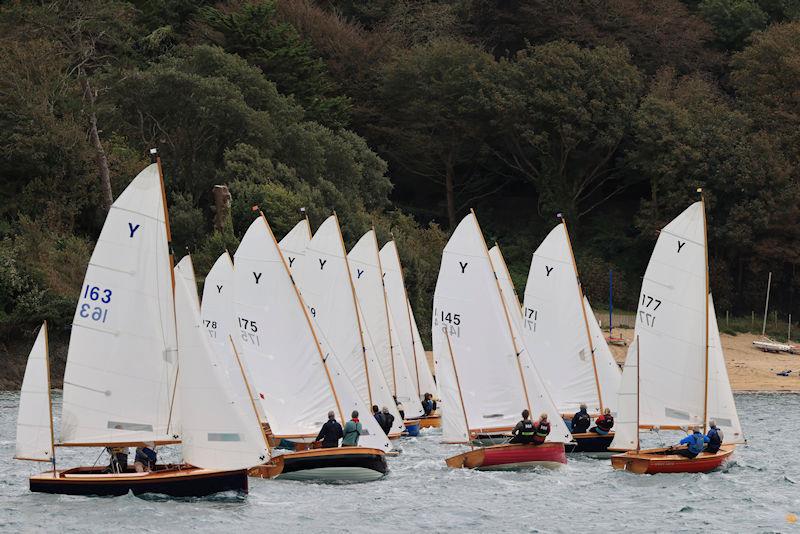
541,432
605,422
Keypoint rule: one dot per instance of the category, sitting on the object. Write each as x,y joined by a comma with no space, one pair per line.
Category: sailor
524,431
428,406
581,420
715,437
541,429
145,458
330,433
604,423
694,443
388,420
352,431
119,459
376,413
399,407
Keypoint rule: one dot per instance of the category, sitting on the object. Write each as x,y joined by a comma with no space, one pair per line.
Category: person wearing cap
715,437
388,420
352,431
581,420
330,433
145,458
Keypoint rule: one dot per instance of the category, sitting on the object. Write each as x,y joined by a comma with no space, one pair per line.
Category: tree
733,20
561,112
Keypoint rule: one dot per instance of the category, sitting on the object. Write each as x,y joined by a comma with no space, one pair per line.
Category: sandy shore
749,369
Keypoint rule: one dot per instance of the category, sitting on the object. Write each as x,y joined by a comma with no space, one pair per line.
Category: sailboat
296,374
407,331
324,278
121,377
294,243
565,340
485,376
367,277
675,375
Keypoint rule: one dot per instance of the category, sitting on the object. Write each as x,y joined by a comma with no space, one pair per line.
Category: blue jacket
695,442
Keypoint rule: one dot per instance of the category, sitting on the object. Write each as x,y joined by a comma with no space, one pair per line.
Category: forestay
367,280
556,327
122,361
327,290
297,379
34,419
403,317
293,245
220,428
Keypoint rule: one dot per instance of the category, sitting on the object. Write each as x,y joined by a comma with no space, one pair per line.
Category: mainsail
506,285
297,378
35,417
403,317
293,245
367,276
220,427
561,332
324,279
122,360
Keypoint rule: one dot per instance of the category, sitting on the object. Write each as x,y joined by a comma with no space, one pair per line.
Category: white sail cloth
626,424
297,379
34,422
556,327
497,379
506,285
293,245
327,290
122,360
220,428
367,277
403,317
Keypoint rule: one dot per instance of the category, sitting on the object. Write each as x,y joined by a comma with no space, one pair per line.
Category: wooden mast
250,394
458,382
410,320
355,306
705,295
49,397
308,319
386,310
505,313
583,310
157,160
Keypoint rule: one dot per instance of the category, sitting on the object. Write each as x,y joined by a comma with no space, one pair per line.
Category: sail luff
250,395
458,382
386,311
49,395
508,276
705,248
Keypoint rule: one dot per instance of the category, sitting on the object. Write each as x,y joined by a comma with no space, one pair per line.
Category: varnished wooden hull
341,464
430,421
590,442
510,457
174,481
654,461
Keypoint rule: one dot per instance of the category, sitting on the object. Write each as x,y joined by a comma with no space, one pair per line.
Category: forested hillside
405,114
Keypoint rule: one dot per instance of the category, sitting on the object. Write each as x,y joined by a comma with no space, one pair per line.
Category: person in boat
376,413
145,458
541,429
119,459
604,423
695,442
388,420
352,431
525,429
428,404
330,433
399,407
715,437
581,420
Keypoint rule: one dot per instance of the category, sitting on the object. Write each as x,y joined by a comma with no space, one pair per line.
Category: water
754,493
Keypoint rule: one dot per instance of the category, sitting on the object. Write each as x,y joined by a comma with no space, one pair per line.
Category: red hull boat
653,461
511,456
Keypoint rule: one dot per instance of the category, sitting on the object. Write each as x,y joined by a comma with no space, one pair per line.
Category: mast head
153,155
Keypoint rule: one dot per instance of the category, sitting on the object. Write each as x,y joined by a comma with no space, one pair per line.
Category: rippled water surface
756,492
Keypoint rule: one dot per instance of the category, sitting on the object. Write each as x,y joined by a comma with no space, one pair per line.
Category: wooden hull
590,442
174,481
510,457
654,461
342,464
411,427
430,421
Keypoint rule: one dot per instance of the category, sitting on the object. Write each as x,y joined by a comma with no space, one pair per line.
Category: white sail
721,406
506,285
297,379
293,245
671,325
217,316
34,419
220,429
122,360
367,278
403,317
454,424
185,268
555,331
327,290
626,423
467,302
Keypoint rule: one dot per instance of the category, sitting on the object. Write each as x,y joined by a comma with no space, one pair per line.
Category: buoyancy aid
541,430
605,422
